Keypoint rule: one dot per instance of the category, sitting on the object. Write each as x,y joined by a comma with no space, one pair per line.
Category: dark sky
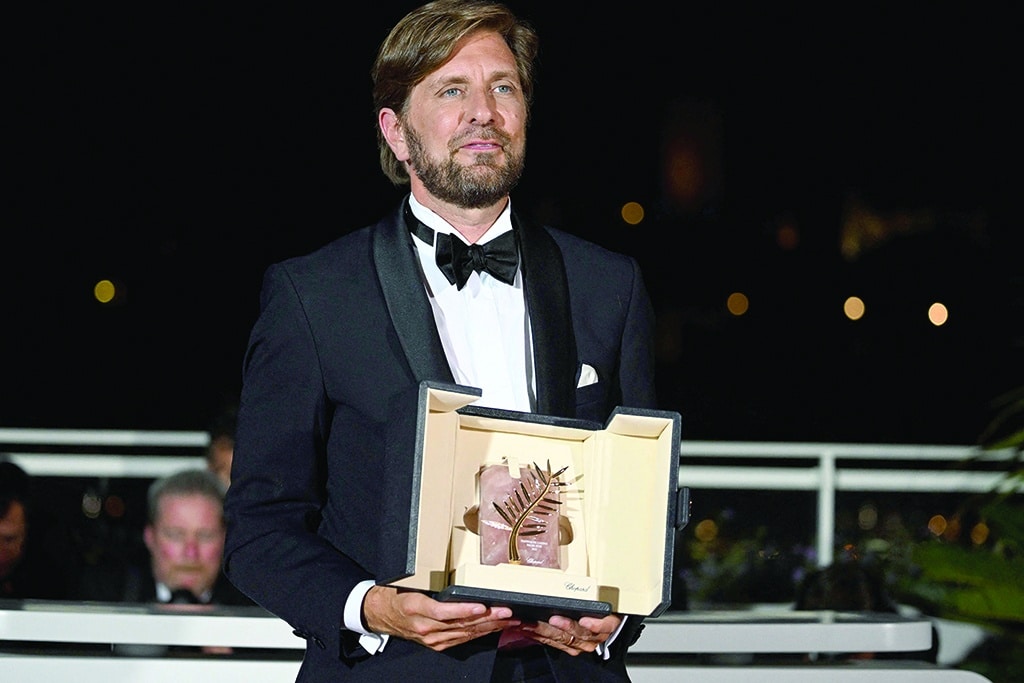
180,151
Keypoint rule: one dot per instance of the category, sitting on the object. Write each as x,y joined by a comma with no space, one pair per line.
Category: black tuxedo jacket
340,333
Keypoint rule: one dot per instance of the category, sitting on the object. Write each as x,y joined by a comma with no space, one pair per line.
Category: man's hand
572,636
437,625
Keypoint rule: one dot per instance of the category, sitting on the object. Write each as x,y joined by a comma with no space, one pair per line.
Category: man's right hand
438,625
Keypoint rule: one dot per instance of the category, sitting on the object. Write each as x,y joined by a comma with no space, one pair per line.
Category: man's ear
394,133
149,536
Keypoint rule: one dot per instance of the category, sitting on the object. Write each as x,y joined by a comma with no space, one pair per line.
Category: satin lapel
399,275
547,301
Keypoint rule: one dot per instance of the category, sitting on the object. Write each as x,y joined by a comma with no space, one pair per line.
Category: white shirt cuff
604,650
371,642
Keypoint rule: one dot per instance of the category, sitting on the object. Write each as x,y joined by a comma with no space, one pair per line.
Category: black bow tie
457,260
183,596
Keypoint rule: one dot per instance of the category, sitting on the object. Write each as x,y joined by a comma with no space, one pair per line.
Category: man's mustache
484,135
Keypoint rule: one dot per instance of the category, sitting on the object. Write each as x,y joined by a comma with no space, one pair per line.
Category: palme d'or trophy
519,516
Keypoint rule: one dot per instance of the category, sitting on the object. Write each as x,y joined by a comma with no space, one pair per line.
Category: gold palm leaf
525,508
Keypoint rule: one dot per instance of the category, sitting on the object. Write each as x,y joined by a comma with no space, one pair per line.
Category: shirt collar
163,593
433,221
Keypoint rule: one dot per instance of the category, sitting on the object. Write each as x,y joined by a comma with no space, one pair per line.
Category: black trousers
523,665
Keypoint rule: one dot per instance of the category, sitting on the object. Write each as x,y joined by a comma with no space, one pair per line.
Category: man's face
186,542
465,131
12,537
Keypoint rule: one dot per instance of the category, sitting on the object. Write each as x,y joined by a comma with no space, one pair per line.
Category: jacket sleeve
273,552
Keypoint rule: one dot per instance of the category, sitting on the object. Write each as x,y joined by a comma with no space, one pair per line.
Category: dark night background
180,151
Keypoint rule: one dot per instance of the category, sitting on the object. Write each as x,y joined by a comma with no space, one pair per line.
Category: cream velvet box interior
621,504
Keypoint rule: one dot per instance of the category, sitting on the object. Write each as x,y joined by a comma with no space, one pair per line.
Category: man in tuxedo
184,535
555,325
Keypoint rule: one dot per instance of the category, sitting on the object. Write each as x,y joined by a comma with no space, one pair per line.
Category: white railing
824,468
831,467
78,628
820,468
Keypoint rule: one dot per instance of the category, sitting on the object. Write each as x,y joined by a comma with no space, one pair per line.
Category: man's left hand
572,636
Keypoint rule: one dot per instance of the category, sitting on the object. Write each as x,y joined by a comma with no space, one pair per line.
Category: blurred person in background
849,586
184,535
37,559
221,449
846,587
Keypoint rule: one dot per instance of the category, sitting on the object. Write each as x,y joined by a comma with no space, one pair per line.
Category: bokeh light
867,516
854,308
737,303
91,505
706,530
114,506
937,525
104,291
632,213
937,314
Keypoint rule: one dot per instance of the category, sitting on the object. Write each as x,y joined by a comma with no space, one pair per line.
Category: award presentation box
621,504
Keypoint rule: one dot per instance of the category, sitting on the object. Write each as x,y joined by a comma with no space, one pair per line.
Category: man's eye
450,92
504,89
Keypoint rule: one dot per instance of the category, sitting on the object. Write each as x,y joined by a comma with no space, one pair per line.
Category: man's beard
468,187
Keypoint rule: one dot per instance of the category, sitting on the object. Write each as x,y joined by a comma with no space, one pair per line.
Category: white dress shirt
484,328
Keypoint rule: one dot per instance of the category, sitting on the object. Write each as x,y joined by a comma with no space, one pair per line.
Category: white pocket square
588,376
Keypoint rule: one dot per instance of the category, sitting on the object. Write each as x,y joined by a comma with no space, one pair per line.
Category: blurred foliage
973,576
1006,429
977,577
966,584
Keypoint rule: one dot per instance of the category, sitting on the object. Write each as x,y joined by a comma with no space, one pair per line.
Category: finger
571,641
440,635
443,638
603,625
418,617
573,645
464,612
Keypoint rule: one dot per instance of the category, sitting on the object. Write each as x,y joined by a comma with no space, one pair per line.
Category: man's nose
481,108
191,547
